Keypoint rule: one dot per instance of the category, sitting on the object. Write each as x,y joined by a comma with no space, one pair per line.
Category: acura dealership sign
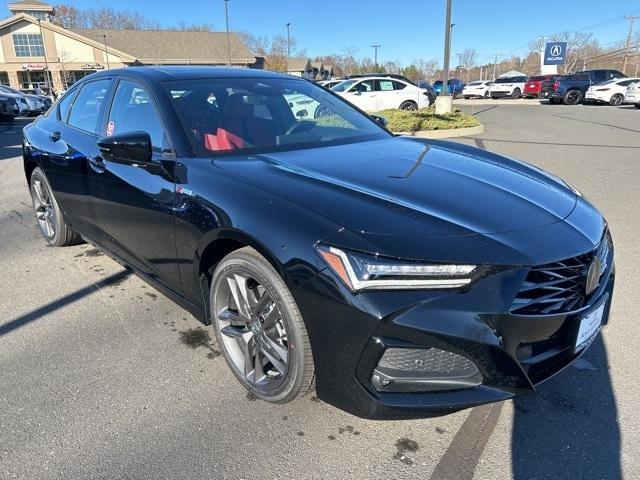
555,53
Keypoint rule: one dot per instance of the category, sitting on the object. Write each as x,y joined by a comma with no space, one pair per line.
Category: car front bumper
513,353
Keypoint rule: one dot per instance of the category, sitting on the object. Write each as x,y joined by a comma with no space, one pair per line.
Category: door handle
97,164
55,136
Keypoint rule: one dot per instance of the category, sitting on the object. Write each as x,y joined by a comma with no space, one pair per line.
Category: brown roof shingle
162,46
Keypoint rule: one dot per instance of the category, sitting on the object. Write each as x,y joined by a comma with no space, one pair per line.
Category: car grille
559,287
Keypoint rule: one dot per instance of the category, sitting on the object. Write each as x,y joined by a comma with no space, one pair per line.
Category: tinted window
132,110
85,112
600,76
65,105
343,86
265,114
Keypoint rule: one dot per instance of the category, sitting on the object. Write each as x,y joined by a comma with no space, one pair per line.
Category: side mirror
380,120
128,148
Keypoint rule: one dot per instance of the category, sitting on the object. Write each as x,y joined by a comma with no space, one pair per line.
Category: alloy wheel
45,210
253,330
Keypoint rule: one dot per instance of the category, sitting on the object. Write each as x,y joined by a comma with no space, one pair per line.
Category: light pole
46,63
375,55
226,17
448,27
106,53
288,25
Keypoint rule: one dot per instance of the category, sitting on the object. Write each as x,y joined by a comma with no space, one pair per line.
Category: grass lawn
426,119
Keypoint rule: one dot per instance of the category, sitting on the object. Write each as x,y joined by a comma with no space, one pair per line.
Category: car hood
400,186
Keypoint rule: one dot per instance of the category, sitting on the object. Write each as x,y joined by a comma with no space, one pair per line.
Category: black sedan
399,277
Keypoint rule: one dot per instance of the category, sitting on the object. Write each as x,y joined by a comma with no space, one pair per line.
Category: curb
450,133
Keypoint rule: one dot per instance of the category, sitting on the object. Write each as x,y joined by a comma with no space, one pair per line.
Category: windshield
475,83
342,86
233,115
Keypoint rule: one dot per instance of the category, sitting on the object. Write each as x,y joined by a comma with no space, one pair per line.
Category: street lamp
226,16
375,54
46,63
106,53
288,25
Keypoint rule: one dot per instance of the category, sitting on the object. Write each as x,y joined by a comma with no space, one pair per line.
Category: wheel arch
218,244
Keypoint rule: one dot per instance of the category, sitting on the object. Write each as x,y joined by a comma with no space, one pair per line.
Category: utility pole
541,54
288,25
46,63
447,50
106,54
495,61
226,16
631,19
375,55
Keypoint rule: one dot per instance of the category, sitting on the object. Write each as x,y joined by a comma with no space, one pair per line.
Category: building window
44,16
28,45
4,78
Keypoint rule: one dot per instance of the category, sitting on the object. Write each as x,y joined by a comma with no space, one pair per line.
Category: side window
364,86
600,76
85,112
65,105
398,85
385,85
132,110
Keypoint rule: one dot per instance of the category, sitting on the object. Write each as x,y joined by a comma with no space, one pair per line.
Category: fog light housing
423,370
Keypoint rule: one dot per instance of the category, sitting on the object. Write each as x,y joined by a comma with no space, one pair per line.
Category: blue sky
406,29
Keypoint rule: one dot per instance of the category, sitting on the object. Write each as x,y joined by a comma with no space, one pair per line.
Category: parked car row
14,102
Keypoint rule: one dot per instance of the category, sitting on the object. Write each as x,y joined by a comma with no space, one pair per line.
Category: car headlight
360,271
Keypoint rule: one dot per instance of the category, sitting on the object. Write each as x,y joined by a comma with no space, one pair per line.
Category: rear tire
616,100
486,95
409,105
516,93
259,328
572,97
637,105
52,225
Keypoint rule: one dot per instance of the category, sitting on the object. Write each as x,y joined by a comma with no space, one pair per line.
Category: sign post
555,53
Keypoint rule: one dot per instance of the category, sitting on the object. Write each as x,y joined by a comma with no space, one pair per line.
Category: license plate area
589,325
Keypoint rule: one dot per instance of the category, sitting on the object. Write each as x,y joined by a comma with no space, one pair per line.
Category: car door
134,203
68,144
363,95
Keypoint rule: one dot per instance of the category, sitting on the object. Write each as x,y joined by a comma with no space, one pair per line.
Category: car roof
191,72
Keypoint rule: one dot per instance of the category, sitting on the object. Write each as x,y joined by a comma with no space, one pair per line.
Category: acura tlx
399,277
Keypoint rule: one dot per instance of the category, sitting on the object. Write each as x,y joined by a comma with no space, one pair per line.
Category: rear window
475,83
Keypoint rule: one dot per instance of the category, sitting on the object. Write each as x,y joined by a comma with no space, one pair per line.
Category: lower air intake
423,370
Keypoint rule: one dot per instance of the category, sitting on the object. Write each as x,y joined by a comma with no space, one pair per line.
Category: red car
533,86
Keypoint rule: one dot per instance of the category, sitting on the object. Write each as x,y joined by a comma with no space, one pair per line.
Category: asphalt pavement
103,377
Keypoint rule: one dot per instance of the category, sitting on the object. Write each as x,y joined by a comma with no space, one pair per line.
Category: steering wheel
303,126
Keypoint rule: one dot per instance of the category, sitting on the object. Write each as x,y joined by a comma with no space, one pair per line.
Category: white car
479,88
633,94
507,87
372,94
611,91
329,84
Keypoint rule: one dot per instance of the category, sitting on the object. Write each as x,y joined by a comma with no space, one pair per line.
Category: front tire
616,100
52,226
259,328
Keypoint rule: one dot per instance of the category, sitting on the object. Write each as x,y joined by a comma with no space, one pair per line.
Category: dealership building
35,52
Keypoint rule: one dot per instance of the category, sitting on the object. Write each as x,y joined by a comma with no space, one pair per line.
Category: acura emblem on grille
593,276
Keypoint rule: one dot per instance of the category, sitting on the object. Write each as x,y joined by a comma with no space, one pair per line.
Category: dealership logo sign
33,66
92,66
555,53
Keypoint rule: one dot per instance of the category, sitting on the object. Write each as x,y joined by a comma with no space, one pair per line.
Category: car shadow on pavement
569,427
38,313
